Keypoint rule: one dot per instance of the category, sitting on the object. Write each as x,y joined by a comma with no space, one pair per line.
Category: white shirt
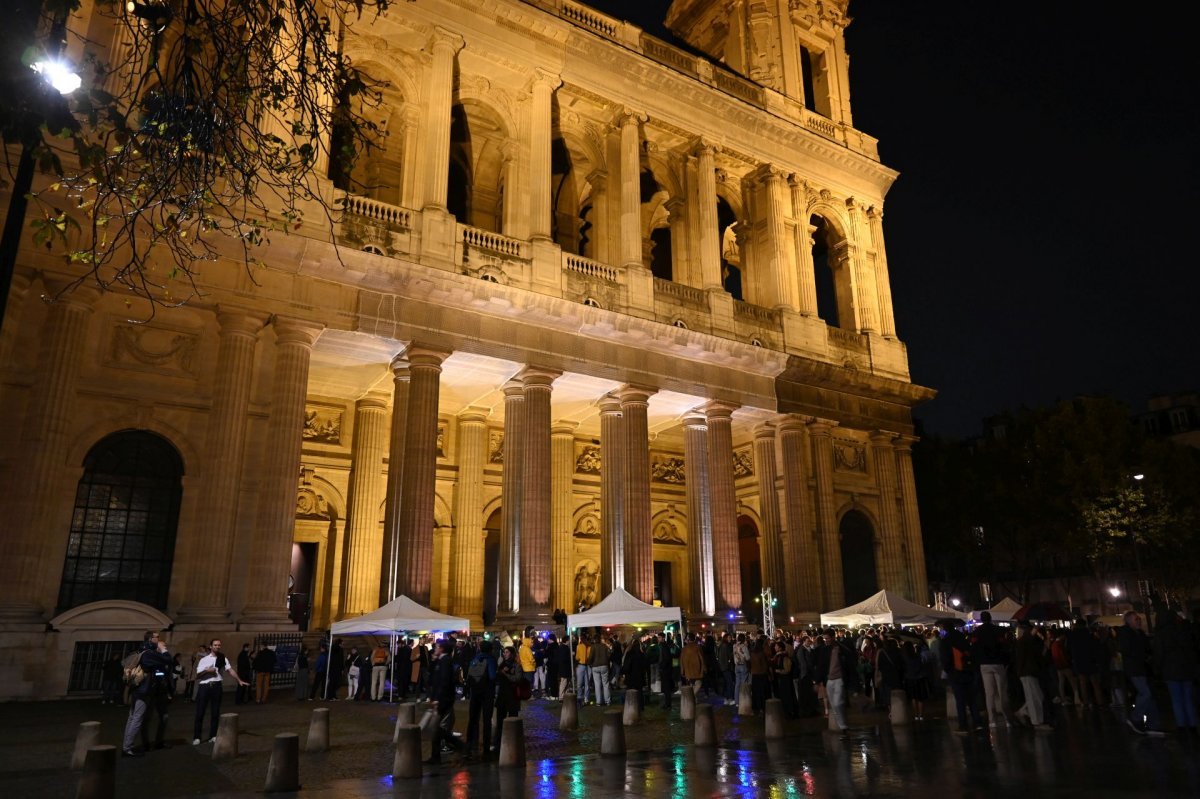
210,662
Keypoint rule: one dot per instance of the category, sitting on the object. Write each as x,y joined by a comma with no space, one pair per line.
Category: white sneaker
195,742
212,740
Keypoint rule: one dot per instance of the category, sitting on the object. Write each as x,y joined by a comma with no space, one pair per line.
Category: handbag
523,689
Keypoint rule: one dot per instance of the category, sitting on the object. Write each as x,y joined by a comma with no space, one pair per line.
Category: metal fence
287,649
87,663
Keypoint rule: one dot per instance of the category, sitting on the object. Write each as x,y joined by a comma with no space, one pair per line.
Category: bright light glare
59,75
955,602
1116,592
1139,477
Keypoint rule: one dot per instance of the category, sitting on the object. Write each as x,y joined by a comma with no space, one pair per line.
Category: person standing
525,656
1029,660
835,672
666,669
353,673
760,675
725,664
481,677
959,664
321,672
302,675
155,663
562,661
110,680
379,671
336,665
264,664
691,664
598,663
209,688
244,666
402,668
583,678
741,666
441,692
635,671
508,703
1175,661
1135,649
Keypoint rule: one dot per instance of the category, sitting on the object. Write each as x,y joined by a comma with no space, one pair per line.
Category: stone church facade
600,312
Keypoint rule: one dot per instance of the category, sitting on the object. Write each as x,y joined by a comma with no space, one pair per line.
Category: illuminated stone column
511,499
360,591
391,505
418,480
601,244
864,273
13,314
206,594
782,268
562,503
274,531
700,543
466,587
767,472
436,125
892,573
706,215
883,284
639,543
681,268
806,278
29,591
724,506
914,546
612,495
821,434
541,93
535,493
630,190
803,562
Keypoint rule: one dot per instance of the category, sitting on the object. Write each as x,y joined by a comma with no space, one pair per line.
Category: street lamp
60,74
1115,591
955,601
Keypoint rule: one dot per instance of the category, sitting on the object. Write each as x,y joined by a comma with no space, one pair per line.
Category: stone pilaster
892,573
205,598
782,269
723,499
767,472
391,504
706,216
883,283
562,481
914,545
612,495
681,269
367,492
600,241
630,190
14,312
535,493
29,591
511,499
639,542
438,104
803,562
803,234
271,561
466,587
541,93
418,481
700,540
821,434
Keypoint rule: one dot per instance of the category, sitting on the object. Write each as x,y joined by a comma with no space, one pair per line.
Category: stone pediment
112,614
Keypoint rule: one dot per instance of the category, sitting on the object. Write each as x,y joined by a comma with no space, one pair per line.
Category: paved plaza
1090,753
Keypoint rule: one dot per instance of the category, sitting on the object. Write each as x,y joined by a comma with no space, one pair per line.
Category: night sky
1041,234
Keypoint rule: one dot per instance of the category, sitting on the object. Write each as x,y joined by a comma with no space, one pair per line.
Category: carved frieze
587,527
587,584
743,463
311,505
495,446
587,459
849,455
323,424
667,469
162,350
665,532
441,440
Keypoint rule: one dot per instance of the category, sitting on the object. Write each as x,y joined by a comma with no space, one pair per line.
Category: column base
266,620
204,617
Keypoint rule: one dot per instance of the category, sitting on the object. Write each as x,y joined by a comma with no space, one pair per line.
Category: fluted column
391,555
700,540
883,283
612,495
892,573
630,191
562,503
360,591
13,314
29,591
418,481
205,599
438,104
706,216
724,505
914,545
803,562
680,263
772,533
511,498
821,434
266,594
806,278
600,240
466,582
639,542
782,269
541,93
535,493
867,299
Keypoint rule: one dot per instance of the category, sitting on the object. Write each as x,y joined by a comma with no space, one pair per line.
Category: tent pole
328,661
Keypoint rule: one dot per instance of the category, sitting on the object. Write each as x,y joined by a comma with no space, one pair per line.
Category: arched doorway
750,557
858,557
491,567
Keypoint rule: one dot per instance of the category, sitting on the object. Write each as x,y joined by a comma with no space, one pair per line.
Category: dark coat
441,686
1175,651
634,668
1134,646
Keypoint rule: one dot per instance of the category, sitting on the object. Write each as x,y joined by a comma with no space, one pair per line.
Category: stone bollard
612,738
99,780
428,723
226,745
687,703
745,701
774,719
706,730
512,743
405,714
407,762
952,707
87,737
633,707
569,717
318,731
900,714
283,772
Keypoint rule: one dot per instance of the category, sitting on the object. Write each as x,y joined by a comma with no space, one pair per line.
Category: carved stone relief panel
743,463
163,351
495,446
666,532
323,423
587,584
311,505
849,455
587,458
667,469
441,440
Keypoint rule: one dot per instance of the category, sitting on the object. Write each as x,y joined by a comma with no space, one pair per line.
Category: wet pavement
1090,753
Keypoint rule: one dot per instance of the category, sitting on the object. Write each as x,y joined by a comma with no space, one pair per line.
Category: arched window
122,539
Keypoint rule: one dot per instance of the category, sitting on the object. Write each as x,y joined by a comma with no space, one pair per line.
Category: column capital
400,365
543,78
792,422
797,182
882,438
720,409
240,321
442,39
564,428
292,330
473,414
904,443
765,173
764,430
598,178
635,395
822,427
514,389
372,399
609,405
427,356
703,146
537,376
694,419
625,116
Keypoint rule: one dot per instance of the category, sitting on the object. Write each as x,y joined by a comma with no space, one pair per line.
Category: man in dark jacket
245,667
441,691
264,664
156,666
959,664
481,685
1134,646
836,671
337,664
635,669
1176,662
990,645
1029,660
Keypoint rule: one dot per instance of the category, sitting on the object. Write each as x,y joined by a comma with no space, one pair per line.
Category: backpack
478,670
962,659
131,668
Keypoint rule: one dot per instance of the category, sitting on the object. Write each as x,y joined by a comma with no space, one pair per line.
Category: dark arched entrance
858,557
750,558
491,567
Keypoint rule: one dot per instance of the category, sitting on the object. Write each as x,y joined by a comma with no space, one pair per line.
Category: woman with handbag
508,700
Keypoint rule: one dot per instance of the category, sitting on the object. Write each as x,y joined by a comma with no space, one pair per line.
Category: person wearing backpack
154,663
481,678
959,664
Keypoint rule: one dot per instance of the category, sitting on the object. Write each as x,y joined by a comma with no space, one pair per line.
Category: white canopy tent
886,608
621,607
1001,611
401,615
